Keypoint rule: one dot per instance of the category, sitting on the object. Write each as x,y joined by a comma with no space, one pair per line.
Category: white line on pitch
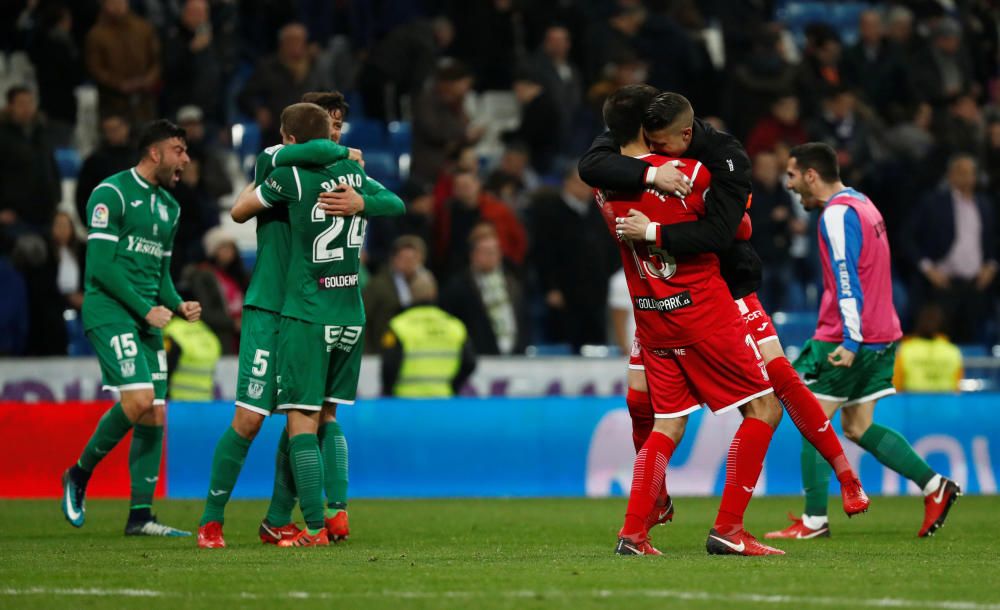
885,602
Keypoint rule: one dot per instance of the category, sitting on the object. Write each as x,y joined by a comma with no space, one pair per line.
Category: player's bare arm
247,205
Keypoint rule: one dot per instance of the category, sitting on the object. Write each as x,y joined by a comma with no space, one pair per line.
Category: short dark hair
818,156
666,109
15,91
328,100
305,121
623,111
158,131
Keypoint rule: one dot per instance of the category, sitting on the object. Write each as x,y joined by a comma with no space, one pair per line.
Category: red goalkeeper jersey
677,302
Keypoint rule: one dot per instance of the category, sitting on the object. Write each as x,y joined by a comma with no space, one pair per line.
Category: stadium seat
400,137
246,144
364,134
383,166
68,161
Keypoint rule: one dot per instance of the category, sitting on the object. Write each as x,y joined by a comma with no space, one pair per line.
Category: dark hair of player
623,111
158,131
15,91
328,100
665,110
305,122
817,156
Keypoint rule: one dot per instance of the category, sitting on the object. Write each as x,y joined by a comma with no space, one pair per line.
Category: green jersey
131,228
322,276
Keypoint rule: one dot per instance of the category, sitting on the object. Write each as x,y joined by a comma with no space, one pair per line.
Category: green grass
500,554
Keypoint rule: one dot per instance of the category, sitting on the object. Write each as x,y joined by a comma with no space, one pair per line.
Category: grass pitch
500,554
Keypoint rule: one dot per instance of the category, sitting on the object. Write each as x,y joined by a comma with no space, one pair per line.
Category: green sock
815,480
307,468
283,499
144,463
333,446
892,450
230,453
111,429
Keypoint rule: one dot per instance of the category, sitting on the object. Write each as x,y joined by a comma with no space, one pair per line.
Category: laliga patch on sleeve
99,219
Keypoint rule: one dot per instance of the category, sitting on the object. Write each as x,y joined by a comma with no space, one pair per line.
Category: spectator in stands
115,153
200,212
58,69
515,163
774,225
541,123
942,70
280,80
426,353
491,36
961,128
70,254
416,222
927,361
192,65
219,284
211,158
899,30
781,126
992,156
400,63
123,55
621,312
389,290
912,139
469,207
559,77
760,78
573,257
617,38
876,69
464,159
488,298
626,68
14,317
954,245
440,124
29,179
819,71
38,266
840,125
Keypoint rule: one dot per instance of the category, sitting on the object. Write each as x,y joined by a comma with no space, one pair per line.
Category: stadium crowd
493,100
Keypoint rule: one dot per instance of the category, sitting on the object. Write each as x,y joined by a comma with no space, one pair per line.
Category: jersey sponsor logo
99,218
127,368
729,162
141,245
273,184
159,376
347,280
670,303
666,352
343,338
255,389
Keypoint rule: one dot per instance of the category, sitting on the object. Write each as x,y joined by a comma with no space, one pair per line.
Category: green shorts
131,359
869,378
318,364
256,389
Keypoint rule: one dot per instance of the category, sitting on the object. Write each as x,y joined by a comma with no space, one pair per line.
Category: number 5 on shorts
260,363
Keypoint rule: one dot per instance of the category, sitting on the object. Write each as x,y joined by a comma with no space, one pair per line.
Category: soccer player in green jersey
129,296
256,388
322,319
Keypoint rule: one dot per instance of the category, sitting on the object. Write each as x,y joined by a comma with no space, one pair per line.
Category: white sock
814,523
932,485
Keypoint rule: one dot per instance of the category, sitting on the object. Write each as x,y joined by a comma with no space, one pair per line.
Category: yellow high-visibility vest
432,343
193,379
928,365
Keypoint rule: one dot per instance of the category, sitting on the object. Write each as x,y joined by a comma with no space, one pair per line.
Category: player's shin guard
307,468
227,462
333,446
815,480
144,467
743,466
640,409
279,512
647,481
111,429
895,452
808,415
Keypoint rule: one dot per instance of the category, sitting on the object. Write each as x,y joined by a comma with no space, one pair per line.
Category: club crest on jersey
255,389
99,219
127,367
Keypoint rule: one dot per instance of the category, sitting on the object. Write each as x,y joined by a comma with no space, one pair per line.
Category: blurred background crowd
475,112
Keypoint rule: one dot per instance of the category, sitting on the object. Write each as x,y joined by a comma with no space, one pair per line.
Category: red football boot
663,512
627,546
210,536
337,527
740,543
303,538
799,531
854,497
937,505
270,534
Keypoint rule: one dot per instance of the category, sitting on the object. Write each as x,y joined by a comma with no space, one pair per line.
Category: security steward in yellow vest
193,351
426,353
928,361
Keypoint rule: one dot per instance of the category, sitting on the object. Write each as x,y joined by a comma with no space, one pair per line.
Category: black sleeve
724,205
392,362
604,167
467,367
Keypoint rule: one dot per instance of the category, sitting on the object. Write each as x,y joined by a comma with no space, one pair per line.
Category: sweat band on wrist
651,231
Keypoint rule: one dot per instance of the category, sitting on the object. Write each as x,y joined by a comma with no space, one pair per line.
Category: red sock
808,415
640,409
647,481
746,458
